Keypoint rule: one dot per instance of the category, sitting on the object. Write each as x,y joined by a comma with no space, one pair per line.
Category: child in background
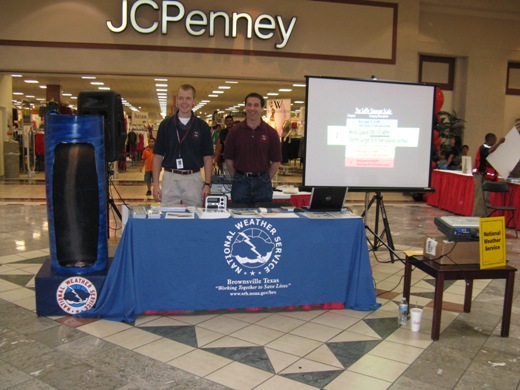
147,163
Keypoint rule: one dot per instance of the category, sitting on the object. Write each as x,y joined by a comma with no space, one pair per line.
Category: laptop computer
327,198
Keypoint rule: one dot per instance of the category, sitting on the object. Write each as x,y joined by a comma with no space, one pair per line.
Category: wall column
6,114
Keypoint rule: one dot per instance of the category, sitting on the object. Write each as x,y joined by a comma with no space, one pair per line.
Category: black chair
503,188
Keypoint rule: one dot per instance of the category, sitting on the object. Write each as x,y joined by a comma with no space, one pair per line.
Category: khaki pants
185,189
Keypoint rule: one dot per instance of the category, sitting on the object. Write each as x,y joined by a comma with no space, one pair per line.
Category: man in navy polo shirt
183,146
253,154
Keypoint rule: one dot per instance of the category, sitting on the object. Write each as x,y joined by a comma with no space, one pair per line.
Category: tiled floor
269,349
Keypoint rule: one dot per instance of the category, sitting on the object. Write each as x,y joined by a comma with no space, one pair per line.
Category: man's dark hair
228,116
256,95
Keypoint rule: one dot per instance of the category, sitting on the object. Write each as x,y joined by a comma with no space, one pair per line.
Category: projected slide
368,135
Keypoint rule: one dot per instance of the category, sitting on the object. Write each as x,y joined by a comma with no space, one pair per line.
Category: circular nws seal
255,247
76,294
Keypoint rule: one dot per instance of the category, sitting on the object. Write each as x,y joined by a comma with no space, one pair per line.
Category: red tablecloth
454,192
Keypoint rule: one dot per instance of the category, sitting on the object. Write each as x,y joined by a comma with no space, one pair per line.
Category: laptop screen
327,198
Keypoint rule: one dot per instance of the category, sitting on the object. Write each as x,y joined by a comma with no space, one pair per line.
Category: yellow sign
492,233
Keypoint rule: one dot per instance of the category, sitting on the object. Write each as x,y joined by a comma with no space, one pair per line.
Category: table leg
407,280
468,295
508,302
437,306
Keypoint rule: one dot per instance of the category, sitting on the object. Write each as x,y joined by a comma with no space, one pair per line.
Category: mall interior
467,49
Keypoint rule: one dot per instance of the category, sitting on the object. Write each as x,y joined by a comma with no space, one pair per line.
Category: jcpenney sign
198,23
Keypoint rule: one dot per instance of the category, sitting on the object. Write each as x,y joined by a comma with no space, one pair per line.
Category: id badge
179,162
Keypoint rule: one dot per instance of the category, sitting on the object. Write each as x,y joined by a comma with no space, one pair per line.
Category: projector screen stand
378,240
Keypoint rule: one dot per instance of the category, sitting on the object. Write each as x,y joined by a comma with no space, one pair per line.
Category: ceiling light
18,93
159,79
213,95
272,93
161,85
97,83
42,86
31,81
231,82
205,101
66,94
218,91
30,96
299,85
104,88
161,89
16,75
299,102
88,77
285,90
224,87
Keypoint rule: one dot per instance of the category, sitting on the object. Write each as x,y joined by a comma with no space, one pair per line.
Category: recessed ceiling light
299,101
31,81
18,93
272,93
104,88
30,96
161,89
88,77
224,87
231,82
159,79
66,94
97,83
161,85
285,90
213,95
299,85
218,91
42,86
16,75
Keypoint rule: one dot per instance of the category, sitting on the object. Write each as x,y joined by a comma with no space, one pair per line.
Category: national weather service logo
76,294
254,248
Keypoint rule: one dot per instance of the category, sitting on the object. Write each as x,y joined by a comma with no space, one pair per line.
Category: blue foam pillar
76,193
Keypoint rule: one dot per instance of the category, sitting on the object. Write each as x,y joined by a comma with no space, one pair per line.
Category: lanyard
185,134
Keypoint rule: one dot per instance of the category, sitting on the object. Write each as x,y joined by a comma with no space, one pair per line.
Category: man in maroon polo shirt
253,154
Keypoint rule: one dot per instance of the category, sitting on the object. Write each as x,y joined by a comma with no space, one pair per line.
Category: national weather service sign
252,251
76,294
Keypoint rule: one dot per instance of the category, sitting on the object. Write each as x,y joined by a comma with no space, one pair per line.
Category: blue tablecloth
171,264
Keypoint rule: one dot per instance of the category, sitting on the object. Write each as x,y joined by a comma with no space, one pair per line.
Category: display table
454,192
193,264
467,272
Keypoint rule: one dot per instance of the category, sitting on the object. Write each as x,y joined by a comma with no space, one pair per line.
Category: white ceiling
140,91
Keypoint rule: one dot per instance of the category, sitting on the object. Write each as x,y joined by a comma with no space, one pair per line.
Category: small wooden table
467,272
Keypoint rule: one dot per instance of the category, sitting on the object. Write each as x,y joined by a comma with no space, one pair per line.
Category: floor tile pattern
269,349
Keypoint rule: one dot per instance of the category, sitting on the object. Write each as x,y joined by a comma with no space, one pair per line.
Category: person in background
484,171
465,150
454,155
218,160
147,164
183,146
215,134
253,155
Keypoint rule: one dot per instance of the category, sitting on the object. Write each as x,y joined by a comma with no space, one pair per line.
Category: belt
182,171
250,174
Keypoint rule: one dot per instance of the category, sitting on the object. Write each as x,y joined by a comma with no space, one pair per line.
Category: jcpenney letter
198,23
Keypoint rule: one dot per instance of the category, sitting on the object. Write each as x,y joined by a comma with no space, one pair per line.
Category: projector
459,228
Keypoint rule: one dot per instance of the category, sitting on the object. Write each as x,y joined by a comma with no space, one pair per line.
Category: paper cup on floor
415,317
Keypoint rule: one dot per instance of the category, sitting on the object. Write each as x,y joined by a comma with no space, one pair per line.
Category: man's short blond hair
187,87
